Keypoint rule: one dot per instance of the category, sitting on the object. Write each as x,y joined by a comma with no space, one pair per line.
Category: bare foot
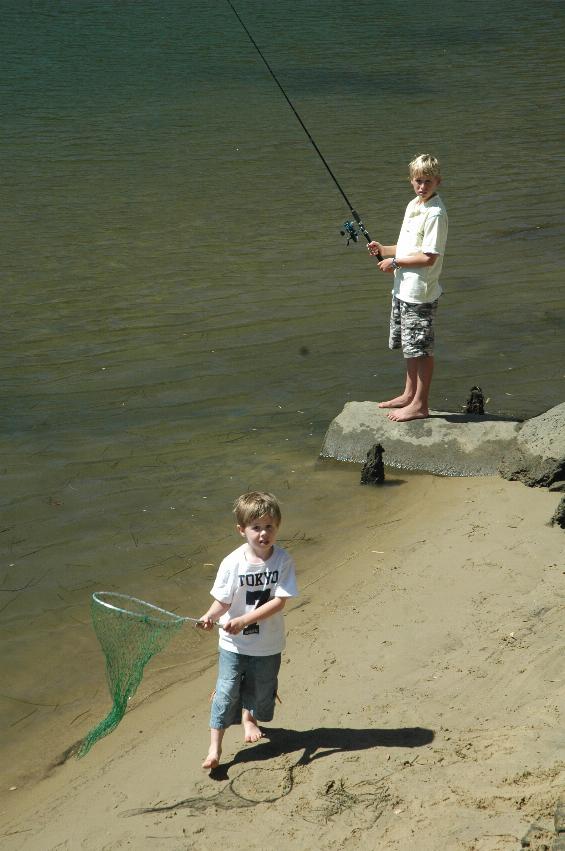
212,760
410,412
252,731
397,402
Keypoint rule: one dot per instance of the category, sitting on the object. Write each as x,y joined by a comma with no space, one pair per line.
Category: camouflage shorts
412,328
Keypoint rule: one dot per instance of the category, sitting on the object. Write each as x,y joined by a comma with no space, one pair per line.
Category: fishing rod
349,229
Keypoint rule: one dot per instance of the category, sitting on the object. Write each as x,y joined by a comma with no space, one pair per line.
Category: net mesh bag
130,632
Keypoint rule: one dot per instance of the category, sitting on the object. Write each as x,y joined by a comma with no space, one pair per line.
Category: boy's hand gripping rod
349,230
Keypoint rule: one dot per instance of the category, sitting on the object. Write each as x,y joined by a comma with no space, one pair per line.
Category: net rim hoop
97,598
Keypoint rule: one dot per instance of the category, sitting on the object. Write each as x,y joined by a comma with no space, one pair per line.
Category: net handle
98,595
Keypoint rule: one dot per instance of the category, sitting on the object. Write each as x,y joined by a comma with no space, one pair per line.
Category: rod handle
365,232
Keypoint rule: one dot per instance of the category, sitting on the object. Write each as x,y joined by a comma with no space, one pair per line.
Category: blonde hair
255,504
424,165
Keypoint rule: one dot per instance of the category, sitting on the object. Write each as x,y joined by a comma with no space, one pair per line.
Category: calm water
182,320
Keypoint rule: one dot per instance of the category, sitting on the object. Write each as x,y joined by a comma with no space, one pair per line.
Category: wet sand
421,701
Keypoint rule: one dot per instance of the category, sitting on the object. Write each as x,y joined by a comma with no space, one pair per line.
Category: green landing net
130,632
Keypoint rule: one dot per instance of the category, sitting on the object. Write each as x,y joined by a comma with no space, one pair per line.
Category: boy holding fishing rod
250,592
416,262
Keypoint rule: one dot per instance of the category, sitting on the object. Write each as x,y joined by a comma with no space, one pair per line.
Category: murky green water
182,320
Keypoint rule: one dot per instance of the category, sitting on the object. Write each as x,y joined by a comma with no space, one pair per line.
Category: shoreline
419,690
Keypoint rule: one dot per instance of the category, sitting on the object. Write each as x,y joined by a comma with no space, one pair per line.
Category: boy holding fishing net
250,592
416,262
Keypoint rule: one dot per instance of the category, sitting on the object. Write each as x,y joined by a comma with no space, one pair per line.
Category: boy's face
261,535
424,186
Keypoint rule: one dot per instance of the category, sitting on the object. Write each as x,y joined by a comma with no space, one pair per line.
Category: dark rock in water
537,457
475,404
373,472
559,516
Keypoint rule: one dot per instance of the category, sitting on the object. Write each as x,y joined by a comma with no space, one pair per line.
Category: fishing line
349,229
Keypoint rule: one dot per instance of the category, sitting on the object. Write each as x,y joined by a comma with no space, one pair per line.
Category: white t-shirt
244,586
424,229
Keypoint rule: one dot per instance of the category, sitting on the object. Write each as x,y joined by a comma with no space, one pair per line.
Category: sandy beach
421,702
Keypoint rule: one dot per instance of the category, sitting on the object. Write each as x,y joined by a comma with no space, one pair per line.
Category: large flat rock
447,444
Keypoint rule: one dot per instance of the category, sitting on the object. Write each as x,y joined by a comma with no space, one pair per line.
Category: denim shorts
244,682
412,328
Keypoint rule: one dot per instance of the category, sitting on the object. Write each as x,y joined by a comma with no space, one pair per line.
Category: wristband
395,264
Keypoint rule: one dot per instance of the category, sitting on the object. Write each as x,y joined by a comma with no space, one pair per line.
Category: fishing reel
350,231
354,229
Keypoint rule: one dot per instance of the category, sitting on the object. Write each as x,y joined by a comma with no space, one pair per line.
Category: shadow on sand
314,744
324,741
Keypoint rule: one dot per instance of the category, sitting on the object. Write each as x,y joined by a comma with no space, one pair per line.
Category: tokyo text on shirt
246,586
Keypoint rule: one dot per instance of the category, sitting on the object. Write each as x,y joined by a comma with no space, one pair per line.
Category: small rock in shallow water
373,472
475,404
